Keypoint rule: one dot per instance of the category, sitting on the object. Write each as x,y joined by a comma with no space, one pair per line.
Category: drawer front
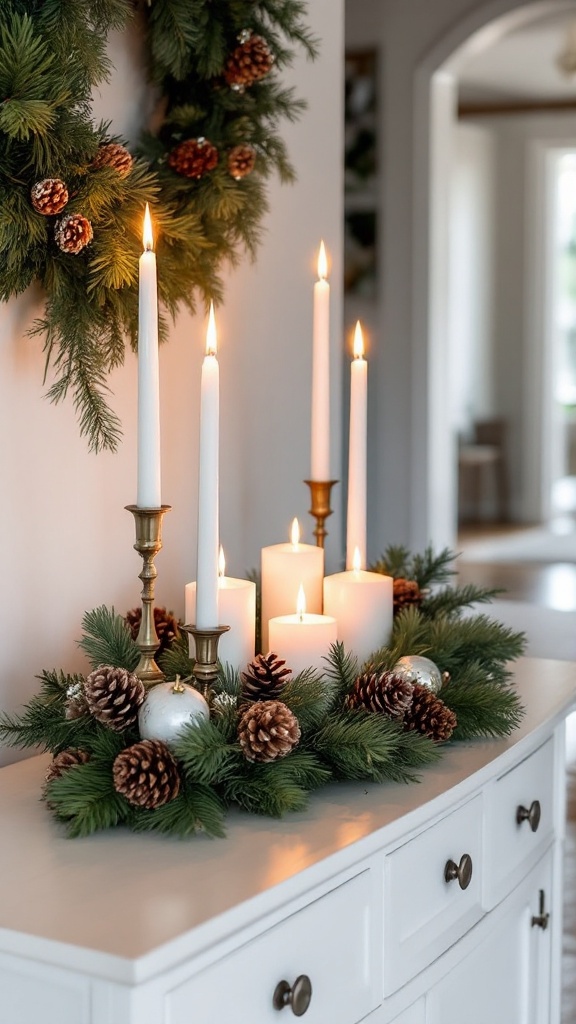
332,941
513,846
424,913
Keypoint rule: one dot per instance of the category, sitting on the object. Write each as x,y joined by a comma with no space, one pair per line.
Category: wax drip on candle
295,533
301,603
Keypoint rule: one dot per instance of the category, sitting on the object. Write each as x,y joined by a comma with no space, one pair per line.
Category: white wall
67,539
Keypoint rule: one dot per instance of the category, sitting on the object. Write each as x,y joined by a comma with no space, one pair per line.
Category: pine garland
52,54
336,742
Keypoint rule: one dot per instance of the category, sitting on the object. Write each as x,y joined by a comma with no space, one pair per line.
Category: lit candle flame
301,603
357,560
295,533
358,342
221,562
147,236
322,263
211,345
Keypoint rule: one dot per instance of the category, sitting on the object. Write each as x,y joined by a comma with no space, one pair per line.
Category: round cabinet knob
530,814
297,996
461,871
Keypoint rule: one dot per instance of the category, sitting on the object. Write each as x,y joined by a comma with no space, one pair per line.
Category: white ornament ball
168,708
414,668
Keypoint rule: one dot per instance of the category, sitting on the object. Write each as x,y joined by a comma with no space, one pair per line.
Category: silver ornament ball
414,668
168,708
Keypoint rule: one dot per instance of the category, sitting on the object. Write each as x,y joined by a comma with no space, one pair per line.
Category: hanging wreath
72,195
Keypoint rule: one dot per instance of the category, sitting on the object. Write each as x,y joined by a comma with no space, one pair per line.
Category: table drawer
519,821
332,941
424,912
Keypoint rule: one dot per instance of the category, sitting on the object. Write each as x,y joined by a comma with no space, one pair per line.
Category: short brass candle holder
206,663
148,543
320,499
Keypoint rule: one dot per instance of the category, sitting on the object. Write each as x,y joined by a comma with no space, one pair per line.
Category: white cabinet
421,904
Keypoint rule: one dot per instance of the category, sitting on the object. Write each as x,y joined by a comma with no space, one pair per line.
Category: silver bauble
414,668
168,708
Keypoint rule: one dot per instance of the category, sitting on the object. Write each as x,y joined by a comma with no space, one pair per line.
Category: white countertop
111,902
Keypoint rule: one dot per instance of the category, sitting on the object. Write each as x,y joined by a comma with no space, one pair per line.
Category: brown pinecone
113,154
193,158
267,731
429,715
406,593
49,196
76,703
382,692
73,232
241,161
63,761
249,62
265,677
114,696
165,623
146,774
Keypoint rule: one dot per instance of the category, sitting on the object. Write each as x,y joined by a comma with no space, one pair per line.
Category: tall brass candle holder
320,499
148,543
206,663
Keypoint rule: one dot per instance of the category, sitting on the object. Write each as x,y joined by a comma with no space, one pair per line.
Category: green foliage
52,54
336,742
107,640
426,568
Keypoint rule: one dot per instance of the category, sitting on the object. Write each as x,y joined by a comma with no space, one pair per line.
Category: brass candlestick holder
320,500
148,543
206,663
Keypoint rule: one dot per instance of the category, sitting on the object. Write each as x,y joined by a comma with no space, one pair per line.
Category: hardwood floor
549,585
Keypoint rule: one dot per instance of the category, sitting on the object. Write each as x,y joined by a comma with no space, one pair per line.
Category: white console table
352,894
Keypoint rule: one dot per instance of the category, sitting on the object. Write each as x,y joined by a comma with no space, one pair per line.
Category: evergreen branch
342,669
107,640
483,709
205,753
359,745
196,809
176,660
450,600
277,788
309,697
84,797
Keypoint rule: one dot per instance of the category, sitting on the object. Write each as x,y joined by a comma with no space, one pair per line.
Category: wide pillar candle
362,604
356,518
148,484
286,567
237,609
303,639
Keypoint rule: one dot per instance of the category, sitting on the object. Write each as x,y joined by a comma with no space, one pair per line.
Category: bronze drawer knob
297,996
530,814
461,871
541,919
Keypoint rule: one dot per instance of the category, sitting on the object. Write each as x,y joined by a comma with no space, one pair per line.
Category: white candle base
362,604
302,640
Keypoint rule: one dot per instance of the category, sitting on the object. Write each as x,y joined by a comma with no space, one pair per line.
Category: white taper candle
148,473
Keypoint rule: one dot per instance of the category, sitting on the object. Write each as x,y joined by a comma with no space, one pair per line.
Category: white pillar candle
237,609
148,483
207,570
303,639
356,519
362,604
284,568
320,448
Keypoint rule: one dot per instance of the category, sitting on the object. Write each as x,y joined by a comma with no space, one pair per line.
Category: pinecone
113,154
265,677
193,158
113,696
382,692
406,593
49,196
73,232
76,703
241,161
146,774
267,731
165,623
429,715
249,62
63,761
